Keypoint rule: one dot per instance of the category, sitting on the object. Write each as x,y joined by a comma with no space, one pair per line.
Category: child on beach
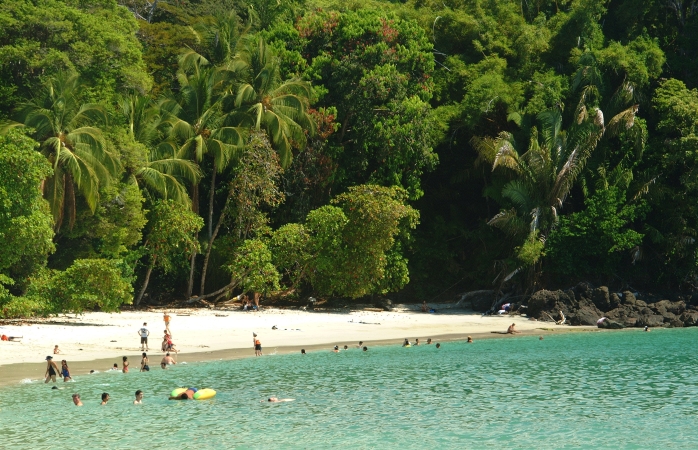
125,365
65,371
56,350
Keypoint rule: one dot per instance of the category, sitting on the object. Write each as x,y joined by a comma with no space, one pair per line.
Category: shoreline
95,341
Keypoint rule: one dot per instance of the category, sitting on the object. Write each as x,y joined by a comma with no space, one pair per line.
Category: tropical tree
161,174
541,177
72,142
196,128
264,101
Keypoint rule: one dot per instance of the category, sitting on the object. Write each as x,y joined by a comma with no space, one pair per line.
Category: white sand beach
199,333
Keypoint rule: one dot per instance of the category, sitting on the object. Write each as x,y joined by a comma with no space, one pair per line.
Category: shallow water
625,389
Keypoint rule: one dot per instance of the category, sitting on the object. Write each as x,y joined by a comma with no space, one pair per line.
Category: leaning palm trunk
145,282
210,246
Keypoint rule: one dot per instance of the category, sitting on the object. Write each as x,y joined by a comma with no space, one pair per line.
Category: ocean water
626,389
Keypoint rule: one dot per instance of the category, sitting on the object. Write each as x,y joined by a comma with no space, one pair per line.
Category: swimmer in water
438,345
406,343
470,340
105,398
302,351
429,341
76,400
278,400
186,395
365,349
336,349
139,398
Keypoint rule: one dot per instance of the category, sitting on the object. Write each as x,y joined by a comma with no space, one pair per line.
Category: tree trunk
190,286
210,202
194,208
145,282
210,246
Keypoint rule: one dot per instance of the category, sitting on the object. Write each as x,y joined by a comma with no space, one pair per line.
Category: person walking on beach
76,400
51,370
257,345
166,318
139,398
144,363
125,365
144,333
65,371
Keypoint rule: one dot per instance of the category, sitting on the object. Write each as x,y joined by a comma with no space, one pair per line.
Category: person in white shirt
144,333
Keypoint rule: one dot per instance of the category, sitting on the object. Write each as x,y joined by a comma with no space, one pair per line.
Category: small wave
26,381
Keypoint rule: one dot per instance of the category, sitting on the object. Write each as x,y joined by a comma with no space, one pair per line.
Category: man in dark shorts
144,333
257,346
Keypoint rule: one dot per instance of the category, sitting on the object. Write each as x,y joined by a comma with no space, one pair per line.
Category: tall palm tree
264,101
158,173
196,127
542,176
72,142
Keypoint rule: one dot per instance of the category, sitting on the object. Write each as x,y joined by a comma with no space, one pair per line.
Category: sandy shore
97,340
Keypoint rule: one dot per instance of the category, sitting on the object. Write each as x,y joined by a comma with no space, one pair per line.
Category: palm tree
196,128
73,144
542,176
161,174
263,101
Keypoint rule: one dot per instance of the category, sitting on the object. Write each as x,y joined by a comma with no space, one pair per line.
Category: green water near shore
625,389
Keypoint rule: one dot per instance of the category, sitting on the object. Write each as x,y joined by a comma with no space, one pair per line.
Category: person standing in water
257,345
139,398
125,365
65,371
144,333
144,363
51,370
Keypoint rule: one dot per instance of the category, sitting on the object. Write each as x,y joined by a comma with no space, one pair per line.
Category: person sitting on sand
139,398
167,360
277,400
56,350
512,329
425,308
65,371
76,400
105,398
51,370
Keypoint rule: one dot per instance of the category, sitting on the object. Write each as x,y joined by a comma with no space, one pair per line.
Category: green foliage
350,241
171,234
87,284
595,241
41,38
253,269
26,226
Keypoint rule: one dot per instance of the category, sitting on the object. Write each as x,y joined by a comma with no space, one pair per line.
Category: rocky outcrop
585,305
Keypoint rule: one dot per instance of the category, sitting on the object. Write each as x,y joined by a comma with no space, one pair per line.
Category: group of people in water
77,401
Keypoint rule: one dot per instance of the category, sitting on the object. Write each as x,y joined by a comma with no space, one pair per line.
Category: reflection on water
602,390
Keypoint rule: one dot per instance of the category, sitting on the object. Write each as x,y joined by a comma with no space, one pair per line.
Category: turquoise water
593,390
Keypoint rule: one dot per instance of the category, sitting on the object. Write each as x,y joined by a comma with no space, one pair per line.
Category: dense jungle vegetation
161,150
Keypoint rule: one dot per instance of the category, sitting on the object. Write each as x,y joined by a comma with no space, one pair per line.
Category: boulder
385,303
640,303
652,320
610,324
628,298
584,316
543,300
689,319
601,298
630,322
614,300
482,302
675,323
